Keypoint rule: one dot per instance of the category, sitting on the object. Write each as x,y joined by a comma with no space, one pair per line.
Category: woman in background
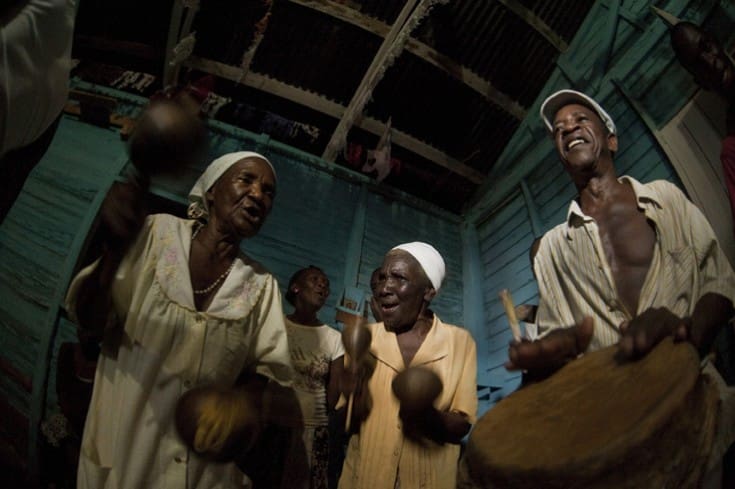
301,414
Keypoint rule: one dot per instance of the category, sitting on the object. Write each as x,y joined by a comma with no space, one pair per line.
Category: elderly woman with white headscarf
397,444
181,306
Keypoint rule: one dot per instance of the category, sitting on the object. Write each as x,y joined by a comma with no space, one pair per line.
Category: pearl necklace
214,284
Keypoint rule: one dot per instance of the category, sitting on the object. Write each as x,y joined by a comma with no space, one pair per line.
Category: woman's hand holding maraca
218,423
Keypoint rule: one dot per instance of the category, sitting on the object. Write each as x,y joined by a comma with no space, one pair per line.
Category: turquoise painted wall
39,245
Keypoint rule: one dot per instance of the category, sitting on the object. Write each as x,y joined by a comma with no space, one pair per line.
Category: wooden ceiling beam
182,17
536,23
421,50
174,27
391,48
323,105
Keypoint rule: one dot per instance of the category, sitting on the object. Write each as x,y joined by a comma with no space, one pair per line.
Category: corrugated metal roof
473,66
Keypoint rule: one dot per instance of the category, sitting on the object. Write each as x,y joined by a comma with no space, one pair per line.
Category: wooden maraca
230,409
417,388
356,339
167,137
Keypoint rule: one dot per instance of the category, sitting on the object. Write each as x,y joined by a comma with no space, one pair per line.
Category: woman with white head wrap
182,308
400,444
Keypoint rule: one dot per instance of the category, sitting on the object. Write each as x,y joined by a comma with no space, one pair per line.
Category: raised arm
120,221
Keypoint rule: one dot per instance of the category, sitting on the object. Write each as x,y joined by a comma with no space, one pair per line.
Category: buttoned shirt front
380,454
158,346
575,279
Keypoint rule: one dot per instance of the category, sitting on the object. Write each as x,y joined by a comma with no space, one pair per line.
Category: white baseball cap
559,99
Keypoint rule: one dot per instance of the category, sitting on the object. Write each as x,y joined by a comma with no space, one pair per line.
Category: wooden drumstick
356,339
510,311
350,401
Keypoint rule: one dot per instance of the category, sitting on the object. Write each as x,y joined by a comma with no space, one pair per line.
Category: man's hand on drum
642,333
545,356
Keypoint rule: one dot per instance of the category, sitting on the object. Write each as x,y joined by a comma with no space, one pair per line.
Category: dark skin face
583,143
702,56
239,202
403,291
310,293
242,198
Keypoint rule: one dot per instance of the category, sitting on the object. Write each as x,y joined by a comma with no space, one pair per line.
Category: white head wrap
198,206
429,259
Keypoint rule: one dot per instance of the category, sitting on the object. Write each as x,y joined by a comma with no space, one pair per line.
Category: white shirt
575,279
312,348
35,48
162,347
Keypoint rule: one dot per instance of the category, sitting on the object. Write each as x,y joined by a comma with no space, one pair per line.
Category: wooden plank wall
39,243
642,63
313,222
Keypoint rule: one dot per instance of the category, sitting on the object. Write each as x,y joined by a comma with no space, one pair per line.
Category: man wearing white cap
632,264
397,446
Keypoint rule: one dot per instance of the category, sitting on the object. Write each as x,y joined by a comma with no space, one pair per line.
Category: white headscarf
198,206
429,259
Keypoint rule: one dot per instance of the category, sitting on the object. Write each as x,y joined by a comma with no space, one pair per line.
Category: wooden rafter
421,50
178,29
169,71
323,105
536,23
260,27
390,48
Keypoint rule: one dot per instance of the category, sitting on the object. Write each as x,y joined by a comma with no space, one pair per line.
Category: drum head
590,412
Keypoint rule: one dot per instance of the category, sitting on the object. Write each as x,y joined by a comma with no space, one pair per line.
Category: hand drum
601,424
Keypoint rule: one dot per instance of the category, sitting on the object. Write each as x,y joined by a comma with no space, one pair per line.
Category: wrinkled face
581,138
403,290
312,288
702,56
243,196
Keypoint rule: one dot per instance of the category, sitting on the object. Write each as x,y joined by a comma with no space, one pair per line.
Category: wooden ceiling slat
322,104
423,51
536,23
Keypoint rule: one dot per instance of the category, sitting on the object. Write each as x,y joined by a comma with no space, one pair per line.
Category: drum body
599,423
